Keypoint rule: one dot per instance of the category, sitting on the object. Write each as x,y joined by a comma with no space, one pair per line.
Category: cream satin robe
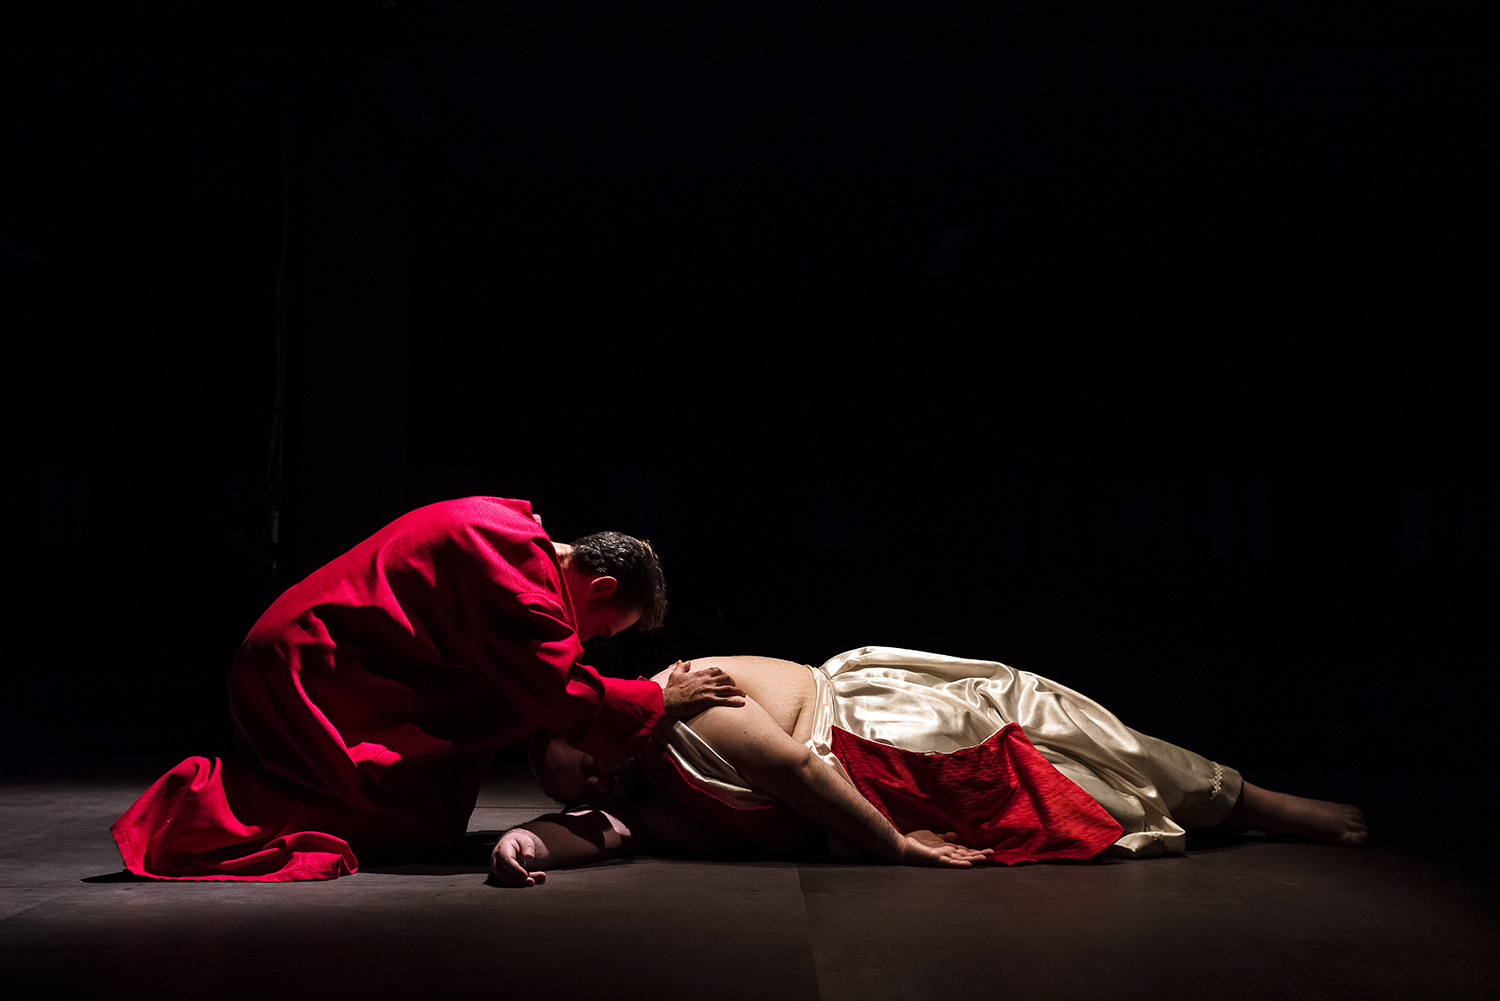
930,703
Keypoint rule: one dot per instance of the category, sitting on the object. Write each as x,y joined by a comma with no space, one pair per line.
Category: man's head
574,778
614,581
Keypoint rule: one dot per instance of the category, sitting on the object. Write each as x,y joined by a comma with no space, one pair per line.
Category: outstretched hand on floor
929,848
514,856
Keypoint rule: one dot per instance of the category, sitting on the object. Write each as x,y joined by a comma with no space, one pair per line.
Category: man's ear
602,587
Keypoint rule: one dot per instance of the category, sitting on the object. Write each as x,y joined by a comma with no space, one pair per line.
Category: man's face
593,604
571,777
604,620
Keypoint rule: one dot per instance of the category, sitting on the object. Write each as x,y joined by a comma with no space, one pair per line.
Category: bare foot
1285,815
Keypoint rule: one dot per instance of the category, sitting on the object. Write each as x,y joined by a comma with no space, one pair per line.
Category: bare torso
787,693
784,689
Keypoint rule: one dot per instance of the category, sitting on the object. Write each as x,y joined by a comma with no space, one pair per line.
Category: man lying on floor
1010,766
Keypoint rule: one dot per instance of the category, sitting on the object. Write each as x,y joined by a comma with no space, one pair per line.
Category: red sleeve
506,611
608,718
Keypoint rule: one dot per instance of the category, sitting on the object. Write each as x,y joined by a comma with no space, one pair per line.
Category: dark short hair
634,565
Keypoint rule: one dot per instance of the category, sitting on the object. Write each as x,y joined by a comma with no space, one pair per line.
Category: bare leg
1286,815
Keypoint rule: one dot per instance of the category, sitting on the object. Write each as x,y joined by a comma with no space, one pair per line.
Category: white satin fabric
927,702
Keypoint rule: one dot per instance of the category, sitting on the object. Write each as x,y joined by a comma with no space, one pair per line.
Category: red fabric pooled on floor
370,698
1000,794
185,827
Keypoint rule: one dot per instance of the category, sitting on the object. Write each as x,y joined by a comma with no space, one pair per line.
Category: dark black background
1195,418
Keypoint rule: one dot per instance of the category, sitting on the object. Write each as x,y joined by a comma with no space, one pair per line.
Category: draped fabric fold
976,723
1000,794
938,704
189,826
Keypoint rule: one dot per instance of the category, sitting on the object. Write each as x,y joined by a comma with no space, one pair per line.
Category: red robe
372,696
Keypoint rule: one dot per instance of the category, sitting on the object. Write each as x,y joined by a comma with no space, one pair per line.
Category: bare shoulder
783,688
749,738
748,665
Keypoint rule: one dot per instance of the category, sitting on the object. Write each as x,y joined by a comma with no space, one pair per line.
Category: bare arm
776,764
557,840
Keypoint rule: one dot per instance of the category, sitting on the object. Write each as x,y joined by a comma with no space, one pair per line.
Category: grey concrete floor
1244,918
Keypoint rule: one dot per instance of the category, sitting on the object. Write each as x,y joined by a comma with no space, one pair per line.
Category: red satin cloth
371,697
1000,794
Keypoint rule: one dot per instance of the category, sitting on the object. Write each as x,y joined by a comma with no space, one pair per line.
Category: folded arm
780,766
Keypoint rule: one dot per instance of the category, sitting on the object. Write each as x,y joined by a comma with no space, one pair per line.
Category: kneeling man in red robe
369,700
